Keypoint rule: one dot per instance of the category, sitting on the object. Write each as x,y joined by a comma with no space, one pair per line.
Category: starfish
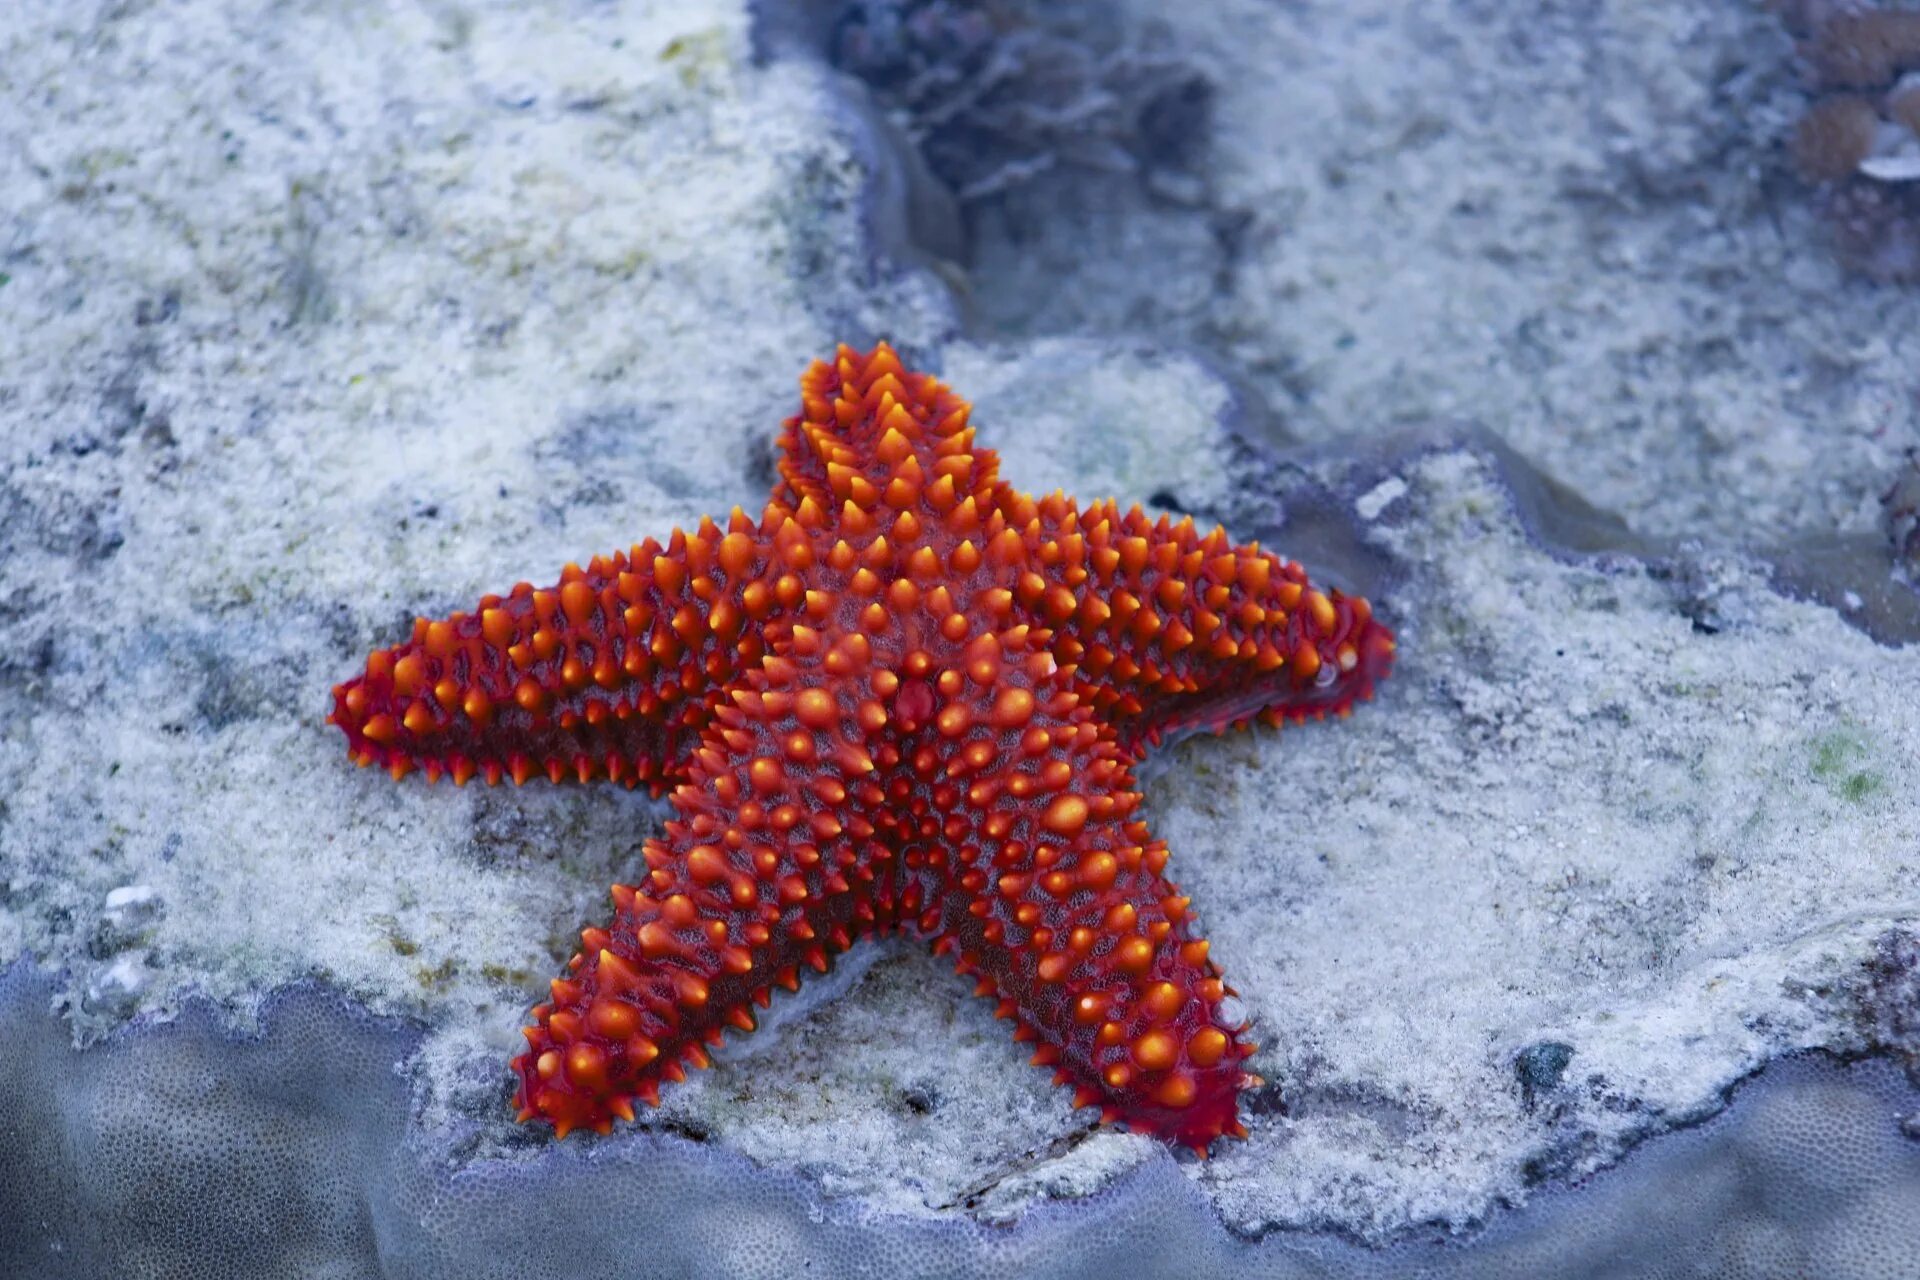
907,697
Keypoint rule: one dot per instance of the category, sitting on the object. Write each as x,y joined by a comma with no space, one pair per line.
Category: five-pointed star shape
909,697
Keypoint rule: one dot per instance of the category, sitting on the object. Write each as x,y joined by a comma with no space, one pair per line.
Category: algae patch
1839,761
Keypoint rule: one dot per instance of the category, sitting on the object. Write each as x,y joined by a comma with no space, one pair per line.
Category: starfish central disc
907,696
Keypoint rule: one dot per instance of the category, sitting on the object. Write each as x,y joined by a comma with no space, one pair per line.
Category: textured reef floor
315,327
300,1166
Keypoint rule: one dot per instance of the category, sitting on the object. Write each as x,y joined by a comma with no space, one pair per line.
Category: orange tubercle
905,696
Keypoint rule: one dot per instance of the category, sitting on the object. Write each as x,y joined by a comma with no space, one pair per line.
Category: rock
1577,227
322,324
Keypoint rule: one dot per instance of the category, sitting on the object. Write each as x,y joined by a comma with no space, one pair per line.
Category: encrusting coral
993,97
1861,140
908,697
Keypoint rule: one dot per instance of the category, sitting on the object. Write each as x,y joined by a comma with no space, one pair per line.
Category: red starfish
907,697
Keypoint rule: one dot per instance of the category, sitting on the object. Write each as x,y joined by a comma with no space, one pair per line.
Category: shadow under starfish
908,696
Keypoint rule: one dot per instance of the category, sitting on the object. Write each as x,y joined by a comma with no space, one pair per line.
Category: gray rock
178,1150
1576,224
321,324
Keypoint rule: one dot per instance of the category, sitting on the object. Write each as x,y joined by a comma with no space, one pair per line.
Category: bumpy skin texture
906,697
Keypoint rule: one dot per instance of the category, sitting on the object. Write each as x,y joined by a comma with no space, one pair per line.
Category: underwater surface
1579,339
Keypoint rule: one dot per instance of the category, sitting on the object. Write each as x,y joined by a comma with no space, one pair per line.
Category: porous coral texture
908,696
1860,141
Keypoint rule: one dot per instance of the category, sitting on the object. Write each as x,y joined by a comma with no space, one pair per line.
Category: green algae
1837,761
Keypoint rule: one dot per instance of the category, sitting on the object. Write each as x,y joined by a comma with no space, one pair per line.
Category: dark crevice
1040,151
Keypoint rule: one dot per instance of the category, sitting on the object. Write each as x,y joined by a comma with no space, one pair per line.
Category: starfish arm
1058,902
769,865
1174,631
849,405
612,672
